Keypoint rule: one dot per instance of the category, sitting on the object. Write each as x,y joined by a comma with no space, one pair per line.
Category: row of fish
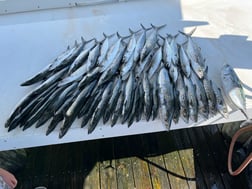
121,79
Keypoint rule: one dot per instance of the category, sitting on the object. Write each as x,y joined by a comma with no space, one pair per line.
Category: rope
230,153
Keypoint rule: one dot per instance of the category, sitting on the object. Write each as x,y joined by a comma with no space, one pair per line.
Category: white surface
29,41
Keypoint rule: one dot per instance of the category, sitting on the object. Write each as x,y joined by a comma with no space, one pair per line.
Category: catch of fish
143,76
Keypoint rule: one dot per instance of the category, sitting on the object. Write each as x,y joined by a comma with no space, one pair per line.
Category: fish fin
158,27
133,32
188,34
76,43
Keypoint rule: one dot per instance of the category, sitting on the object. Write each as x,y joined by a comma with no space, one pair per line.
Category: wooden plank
173,164
156,162
140,166
205,157
107,165
92,180
220,153
189,160
124,172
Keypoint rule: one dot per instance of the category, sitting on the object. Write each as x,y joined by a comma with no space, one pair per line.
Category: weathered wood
124,172
189,160
172,161
206,161
220,153
107,165
140,166
92,180
156,162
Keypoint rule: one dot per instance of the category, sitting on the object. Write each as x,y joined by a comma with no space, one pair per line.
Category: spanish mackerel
232,88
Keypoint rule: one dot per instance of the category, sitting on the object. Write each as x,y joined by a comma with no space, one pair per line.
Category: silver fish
155,96
201,95
194,53
139,44
145,64
166,98
130,47
93,56
83,55
113,67
112,52
147,96
192,100
74,76
129,96
127,67
173,72
117,88
118,108
104,48
232,88
207,83
183,99
100,108
150,41
155,62
184,62
60,62
170,51
220,102
74,109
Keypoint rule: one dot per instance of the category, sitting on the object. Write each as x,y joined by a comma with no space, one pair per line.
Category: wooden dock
181,159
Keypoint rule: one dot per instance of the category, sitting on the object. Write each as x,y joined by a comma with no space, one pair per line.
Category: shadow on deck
188,158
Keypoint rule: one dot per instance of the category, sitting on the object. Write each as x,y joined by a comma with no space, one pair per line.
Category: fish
183,99
33,94
127,67
95,100
147,96
89,77
129,96
82,56
132,115
113,52
140,44
150,41
145,64
130,49
200,95
112,68
233,89
155,63
59,114
140,107
184,62
207,83
170,50
192,100
104,48
75,76
74,109
176,114
220,102
194,53
173,72
155,102
117,89
166,98
118,108
100,108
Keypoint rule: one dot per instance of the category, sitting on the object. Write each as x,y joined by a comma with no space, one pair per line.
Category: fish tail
188,34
